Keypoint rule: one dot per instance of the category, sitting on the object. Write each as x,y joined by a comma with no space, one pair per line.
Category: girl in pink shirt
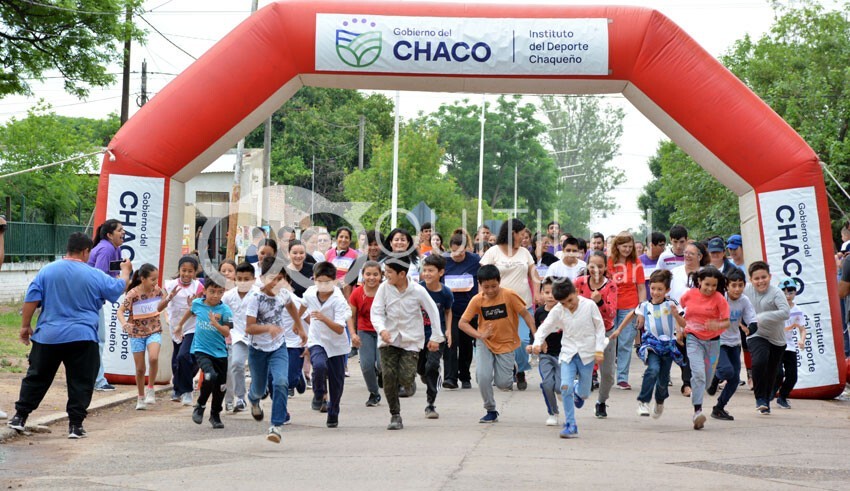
706,316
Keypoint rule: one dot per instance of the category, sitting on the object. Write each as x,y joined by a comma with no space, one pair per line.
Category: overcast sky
195,25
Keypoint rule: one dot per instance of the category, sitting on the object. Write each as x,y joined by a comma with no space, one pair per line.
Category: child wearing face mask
327,342
237,300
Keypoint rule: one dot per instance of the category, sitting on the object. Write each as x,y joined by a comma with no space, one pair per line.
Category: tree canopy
79,39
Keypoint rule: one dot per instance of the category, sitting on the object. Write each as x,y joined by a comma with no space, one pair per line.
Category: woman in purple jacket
107,248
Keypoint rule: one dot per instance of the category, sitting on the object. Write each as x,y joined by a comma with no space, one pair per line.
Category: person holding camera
106,252
71,295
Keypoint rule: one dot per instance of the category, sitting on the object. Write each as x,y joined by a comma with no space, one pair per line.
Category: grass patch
12,352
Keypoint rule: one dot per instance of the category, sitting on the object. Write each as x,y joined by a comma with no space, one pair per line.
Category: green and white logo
358,49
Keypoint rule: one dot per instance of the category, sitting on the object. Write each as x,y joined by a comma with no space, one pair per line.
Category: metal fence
38,241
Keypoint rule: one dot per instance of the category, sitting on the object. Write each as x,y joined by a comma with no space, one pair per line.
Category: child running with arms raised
144,302
212,326
662,323
267,353
397,318
582,343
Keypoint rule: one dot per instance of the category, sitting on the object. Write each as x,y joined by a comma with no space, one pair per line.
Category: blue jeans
276,364
625,344
100,381
657,376
728,369
569,370
522,363
550,381
370,360
296,366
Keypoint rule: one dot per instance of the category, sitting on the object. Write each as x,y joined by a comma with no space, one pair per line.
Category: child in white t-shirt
795,337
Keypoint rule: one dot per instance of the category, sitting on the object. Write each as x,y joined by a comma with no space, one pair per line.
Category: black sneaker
18,422
720,413
712,389
333,421
601,410
105,388
783,403
324,407
215,421
431,412
198,414
466,384
374,400
380,380
490,417
76,432
256,411
450,384
291,392
395,422
316,403
521,383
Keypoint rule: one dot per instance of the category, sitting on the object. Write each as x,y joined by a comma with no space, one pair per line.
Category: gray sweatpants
236,360
550,376
493,367
607,370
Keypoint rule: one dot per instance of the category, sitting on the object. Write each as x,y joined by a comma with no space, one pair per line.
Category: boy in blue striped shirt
662,324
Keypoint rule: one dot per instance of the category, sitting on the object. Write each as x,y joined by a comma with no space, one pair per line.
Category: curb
8,434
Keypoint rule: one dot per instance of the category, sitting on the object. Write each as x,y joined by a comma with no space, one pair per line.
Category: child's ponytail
140,274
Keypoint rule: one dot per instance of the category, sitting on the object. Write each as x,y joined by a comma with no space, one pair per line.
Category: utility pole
362,138
125,86
236,193
143,96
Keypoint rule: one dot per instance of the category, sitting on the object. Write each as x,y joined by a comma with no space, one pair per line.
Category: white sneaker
150,395
3,414
186,399
552,420
274,434
140,404
643,409
657,410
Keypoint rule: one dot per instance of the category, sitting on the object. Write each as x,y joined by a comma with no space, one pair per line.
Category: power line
166,38
67,9
65,161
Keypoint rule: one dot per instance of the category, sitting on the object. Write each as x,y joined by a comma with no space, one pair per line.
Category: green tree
420,179
654,210
686,194
512,137
55,194
584,134
800,69
79,39
323,124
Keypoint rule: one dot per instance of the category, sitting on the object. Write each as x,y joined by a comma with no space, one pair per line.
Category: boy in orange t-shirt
498,310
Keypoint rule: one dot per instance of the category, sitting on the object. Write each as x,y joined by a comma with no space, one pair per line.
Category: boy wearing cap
736,251
717,255
795,337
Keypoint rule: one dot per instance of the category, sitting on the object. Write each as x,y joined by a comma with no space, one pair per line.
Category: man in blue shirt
71,294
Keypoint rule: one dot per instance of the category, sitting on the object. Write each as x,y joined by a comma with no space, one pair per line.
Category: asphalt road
808,446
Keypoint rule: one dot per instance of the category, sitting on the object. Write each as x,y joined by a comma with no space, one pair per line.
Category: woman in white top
696,256
519,273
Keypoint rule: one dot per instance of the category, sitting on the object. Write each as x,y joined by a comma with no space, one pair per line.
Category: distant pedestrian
71,295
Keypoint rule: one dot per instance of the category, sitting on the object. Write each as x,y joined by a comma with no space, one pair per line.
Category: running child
361,300
227,269
582,343
706,317
795,337
209,348
662,323
143,300
328,342
182,291
397,317
570,266
433,268
550,372
767,345
603,291
741,313
267,354
498,310
237,299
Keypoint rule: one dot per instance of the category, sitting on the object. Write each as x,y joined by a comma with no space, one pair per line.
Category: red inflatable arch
461,47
